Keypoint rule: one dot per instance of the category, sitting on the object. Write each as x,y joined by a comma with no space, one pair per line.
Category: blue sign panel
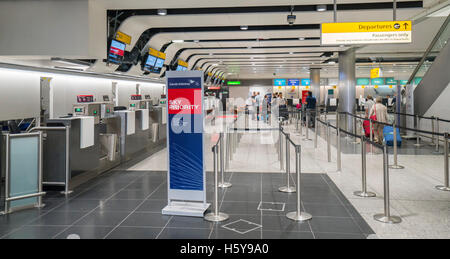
293,82
306,82
279,82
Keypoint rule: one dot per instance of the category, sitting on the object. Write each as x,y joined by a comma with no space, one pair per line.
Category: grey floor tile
283,224
189,222
103,218
334,225
132,195
326,210
240,207
120,205
176,233
152,206
320,235
286,235
20,218
78,205
58,218
221,233
144,219
35,232
134,233
85,232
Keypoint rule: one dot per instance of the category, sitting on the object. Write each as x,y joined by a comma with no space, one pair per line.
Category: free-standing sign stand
186,169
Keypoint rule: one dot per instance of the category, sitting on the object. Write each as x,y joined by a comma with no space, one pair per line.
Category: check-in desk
84,150
158,122
135,132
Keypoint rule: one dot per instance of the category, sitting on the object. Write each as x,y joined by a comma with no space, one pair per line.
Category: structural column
315,83
347,86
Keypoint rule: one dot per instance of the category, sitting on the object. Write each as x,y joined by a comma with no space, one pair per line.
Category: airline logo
117,48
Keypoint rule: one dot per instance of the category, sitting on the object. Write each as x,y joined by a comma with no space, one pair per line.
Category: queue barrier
385,217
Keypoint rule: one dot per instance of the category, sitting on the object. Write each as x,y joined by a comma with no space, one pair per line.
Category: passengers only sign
366,33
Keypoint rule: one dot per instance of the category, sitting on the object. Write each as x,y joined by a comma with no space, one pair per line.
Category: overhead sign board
362,81
306,82
279,82
120,36
185,144
234,83
375,73
366,33
293,82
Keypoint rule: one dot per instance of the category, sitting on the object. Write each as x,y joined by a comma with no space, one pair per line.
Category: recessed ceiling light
196,41
249,47
301,38
331,62
177,41
244,27
162,11
290,53
321,8
211,54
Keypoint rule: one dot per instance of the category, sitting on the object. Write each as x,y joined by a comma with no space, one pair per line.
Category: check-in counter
158,122
135,132
84,150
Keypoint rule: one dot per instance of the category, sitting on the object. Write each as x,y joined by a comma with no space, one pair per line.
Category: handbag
374,117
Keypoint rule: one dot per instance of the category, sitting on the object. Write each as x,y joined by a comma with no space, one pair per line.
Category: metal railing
385,217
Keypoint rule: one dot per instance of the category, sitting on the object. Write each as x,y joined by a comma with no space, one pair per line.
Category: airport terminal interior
237,119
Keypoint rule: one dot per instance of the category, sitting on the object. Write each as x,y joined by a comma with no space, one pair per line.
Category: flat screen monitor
150,63
181,68
158,65
116,51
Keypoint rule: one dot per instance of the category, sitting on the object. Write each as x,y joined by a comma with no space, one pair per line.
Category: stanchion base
287,189
396,167
389,220
225,185
40,206
443,188
418,145
364,194
216,218
66,193
303,216
437,152
307,139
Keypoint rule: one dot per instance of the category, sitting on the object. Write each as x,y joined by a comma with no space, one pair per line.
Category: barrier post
281,148
328,142
371,135
301,123
364,192
433,129
288,188
338,155
307,125
316,127
67,190
298,215
395,165
446,186
436,151
216,216
386,216
417,133
222,183
227,159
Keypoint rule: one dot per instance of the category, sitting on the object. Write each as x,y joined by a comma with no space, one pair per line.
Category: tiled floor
127,204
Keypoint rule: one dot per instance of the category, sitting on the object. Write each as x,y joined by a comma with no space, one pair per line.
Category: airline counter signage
185,139
366,33
279,82
375,73
293,82
306,82
120,36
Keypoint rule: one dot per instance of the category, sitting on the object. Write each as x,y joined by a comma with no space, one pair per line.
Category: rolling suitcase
388,133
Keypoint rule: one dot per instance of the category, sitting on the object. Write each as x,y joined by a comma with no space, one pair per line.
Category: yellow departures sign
366,33
120,36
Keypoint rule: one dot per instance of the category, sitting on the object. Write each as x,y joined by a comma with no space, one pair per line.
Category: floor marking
283,205
227,226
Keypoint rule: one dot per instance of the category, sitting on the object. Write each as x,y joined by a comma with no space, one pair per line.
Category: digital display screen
279,82
293,82
78,110
116,51
85,98
159,63
306,82
95,112
150,63
133,105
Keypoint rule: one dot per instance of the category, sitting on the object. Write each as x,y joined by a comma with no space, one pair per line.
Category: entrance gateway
186,181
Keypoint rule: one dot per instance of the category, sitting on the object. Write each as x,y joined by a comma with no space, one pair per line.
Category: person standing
265,104
379,114
368,105
311,108
258,105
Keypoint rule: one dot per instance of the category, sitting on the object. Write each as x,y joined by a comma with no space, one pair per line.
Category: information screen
116,51
150,63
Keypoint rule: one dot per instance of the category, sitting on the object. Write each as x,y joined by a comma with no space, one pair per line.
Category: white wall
52,28
20,91
441,109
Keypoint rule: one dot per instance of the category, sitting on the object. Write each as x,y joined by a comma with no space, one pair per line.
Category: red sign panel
185,101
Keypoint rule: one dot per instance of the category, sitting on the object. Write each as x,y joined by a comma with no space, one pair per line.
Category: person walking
311,108
264,107
378,113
